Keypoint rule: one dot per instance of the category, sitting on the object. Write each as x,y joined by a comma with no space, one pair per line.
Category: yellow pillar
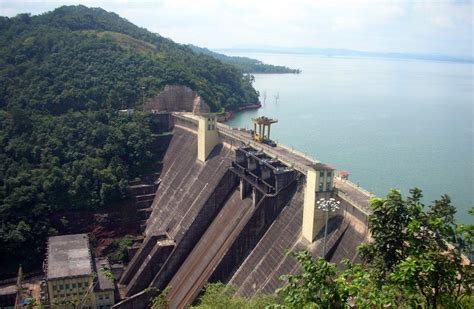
208,136
313,218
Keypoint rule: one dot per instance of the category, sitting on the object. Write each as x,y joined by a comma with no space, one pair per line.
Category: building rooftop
68,256
104,282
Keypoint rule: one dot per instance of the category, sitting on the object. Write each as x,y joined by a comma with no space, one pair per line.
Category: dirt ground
104,227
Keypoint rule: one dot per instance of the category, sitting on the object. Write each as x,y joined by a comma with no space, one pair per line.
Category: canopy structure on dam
232,216
263,123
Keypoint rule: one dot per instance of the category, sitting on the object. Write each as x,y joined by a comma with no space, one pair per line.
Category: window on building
320,186
55,287
67,286
73,285
107,297
329,173
321,174
208,127
61,287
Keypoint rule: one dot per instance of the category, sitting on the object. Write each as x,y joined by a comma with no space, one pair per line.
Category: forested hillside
245,64
70,59
63,76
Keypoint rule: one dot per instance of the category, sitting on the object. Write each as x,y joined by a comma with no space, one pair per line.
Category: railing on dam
357,187
292,158
229,129
287,155
295,159
186,121
362,208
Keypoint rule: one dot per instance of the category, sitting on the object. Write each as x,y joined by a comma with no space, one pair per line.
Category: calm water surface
390,123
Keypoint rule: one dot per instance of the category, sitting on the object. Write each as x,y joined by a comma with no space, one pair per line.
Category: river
390,123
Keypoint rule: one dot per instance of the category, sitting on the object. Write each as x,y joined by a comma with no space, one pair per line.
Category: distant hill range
335,52
245,64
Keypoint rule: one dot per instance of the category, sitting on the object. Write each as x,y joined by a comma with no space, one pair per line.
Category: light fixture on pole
327,205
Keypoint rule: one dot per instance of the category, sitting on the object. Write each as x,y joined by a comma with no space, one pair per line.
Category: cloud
374,25
442,21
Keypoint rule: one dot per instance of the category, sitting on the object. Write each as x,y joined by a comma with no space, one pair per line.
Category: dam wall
185,122
197,228
206,255
189,197
138,301
265,213
138,259
151,264
186,184
203,228
260,272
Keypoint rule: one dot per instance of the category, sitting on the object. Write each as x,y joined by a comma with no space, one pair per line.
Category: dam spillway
228,208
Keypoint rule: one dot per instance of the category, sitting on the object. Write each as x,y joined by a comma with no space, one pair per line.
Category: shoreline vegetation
229,114
245,64
335,52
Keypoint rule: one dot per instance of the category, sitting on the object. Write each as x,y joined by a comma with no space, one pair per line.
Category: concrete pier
207,136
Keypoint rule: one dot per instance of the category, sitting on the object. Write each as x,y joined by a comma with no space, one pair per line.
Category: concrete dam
228,208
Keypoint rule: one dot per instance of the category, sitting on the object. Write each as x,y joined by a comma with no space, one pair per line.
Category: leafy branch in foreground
315,285
415,259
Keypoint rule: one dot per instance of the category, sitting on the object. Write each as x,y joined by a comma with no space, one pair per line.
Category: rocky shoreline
227,115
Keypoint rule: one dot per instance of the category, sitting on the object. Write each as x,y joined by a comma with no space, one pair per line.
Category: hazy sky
421,26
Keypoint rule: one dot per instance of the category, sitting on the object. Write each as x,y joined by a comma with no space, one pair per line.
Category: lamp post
327,206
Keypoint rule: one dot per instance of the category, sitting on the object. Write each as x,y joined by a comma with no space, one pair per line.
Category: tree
160,301
419,251
388,225
219,295
314,285
415,259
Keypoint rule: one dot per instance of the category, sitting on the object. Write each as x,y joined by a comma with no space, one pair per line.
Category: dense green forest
245,64
63,76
